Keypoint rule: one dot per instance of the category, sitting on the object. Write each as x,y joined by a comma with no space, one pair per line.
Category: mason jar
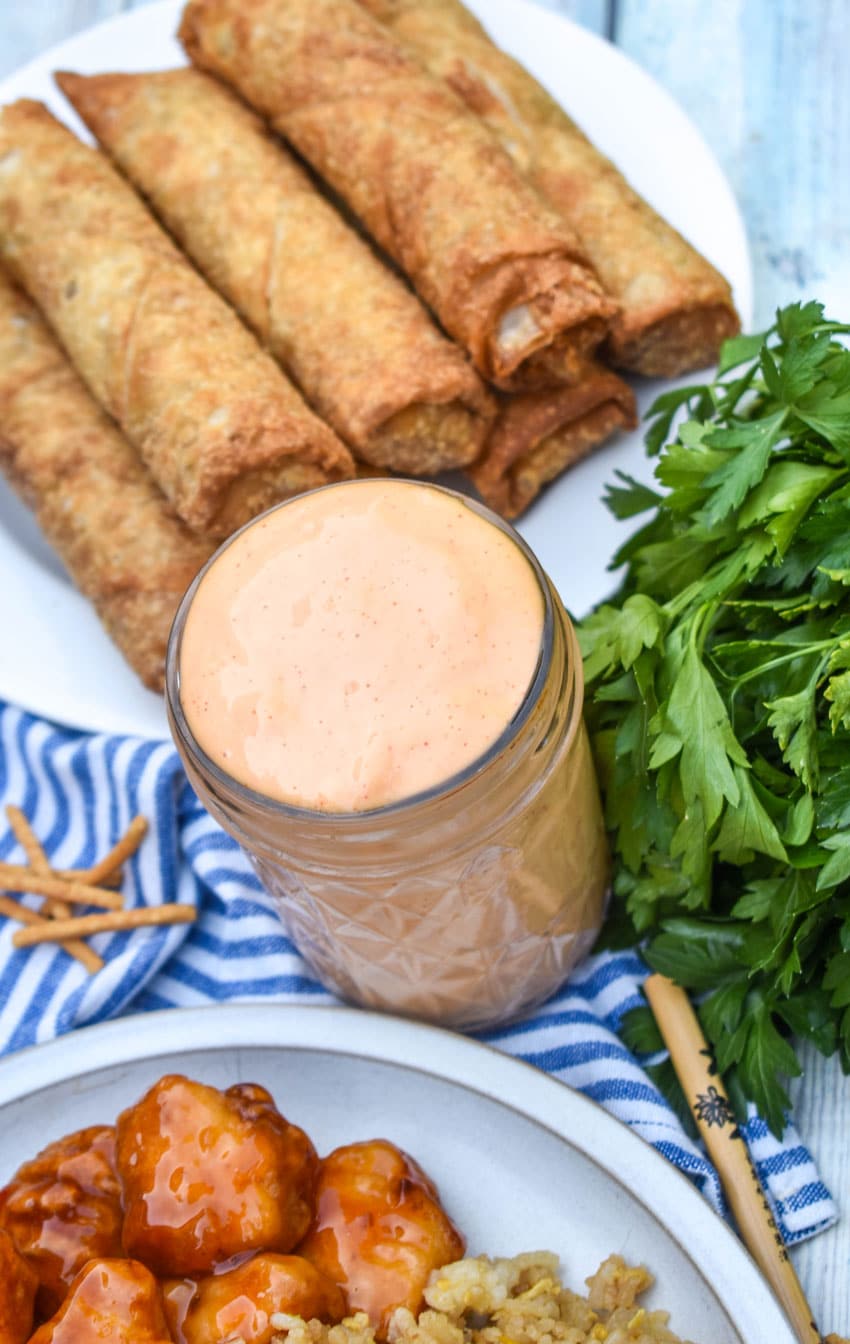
465,905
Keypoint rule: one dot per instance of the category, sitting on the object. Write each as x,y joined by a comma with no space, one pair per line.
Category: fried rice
516,1301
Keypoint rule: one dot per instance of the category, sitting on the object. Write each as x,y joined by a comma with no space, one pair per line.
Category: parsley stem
700,627
801,651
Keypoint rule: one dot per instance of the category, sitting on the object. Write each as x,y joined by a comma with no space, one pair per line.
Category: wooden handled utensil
712,1111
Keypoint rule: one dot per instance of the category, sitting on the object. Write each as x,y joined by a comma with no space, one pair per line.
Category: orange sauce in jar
376,690
360,646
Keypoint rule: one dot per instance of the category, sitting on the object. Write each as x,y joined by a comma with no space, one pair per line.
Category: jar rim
276,807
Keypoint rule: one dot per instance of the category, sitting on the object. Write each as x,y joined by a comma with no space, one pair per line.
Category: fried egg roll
119,539
539,434
675,309
500,268
221,429
358,343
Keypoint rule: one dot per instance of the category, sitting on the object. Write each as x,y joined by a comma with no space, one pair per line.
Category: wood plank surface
821,1101
765,82
597,15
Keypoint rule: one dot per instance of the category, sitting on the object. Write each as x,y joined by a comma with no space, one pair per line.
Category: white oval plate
56,660
522,1162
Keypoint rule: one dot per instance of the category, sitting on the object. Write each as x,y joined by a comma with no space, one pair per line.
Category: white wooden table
766,83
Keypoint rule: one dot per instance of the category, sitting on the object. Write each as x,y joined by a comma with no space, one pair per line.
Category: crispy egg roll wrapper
675,308
119,538
539,434
358,343
502,271
221,429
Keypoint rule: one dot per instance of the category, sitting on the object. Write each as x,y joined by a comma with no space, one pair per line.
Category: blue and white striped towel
81,791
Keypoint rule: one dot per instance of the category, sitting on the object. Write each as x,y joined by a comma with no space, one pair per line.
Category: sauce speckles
360,645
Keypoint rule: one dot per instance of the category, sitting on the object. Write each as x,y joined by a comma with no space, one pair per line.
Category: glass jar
465,905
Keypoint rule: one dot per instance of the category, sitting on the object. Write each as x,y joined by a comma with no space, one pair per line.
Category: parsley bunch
718,702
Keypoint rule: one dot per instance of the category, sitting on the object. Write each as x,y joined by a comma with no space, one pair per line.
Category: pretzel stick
117,856
26,838
37,859
17,878
39,862
53,909
707,1099
57,929
21,913
112,880
77,949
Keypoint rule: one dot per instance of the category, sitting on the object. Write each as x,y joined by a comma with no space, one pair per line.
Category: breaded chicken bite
63,1208
209,1174
240,1303
17,1294
379,1229
114,1300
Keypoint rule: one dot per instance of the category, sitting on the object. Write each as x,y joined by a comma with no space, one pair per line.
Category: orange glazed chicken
240,1303
63,1208
379,1229
114,1300
208,1175
17,1294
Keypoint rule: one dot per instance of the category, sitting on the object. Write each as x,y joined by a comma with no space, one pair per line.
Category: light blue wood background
768,84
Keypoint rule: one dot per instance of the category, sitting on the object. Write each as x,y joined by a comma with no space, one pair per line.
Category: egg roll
675,309
114,530
502,271
358,343
537,435
221,429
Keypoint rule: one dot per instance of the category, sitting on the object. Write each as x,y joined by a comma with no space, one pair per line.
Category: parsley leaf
630,498
747,451
766,1057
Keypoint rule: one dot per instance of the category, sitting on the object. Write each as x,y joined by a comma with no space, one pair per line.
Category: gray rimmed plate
522,1162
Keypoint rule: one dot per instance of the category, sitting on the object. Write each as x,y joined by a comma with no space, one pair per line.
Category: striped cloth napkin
80,792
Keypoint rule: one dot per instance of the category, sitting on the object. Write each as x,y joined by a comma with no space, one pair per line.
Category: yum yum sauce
359,645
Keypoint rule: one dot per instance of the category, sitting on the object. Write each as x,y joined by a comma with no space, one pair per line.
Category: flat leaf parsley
718,701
